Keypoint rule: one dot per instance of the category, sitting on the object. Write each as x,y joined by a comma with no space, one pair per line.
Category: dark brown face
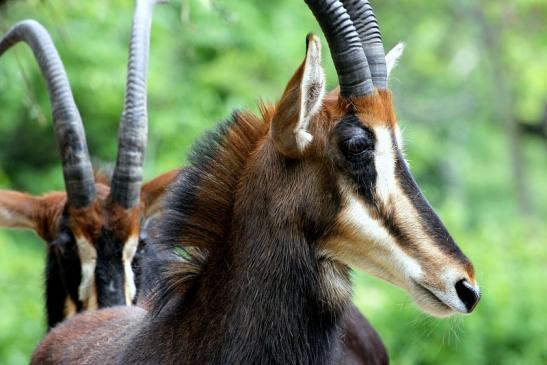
91,258
105,242
383,223
95,275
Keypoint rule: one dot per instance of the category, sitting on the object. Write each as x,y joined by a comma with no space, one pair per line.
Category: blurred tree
536,128
503,97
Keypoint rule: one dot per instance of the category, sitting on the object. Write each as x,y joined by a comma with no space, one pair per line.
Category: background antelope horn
67,123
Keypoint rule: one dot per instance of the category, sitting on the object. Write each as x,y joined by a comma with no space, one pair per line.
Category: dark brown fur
362,345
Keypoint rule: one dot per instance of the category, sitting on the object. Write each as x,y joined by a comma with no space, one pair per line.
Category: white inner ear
129,250
312,90
392,57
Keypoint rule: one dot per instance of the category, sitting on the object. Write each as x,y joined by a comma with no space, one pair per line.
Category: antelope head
92,223
349,147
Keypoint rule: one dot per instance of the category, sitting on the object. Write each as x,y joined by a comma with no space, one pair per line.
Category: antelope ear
301,100
19,210
152,192
39,213
392,57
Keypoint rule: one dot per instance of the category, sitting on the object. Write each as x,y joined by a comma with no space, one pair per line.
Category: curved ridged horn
345,46
365,22
67,123
127,177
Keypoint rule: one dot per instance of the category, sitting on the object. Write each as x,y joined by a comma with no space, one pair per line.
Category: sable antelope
92,229
275,209
52,217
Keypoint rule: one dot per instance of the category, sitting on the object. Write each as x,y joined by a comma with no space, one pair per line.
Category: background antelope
276,208
92,229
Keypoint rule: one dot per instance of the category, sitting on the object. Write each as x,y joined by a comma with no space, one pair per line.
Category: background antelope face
381,222
100,242
92,250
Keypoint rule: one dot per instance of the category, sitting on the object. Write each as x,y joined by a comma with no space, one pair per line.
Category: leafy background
470,91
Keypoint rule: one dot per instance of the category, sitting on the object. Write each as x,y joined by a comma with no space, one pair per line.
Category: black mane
212,180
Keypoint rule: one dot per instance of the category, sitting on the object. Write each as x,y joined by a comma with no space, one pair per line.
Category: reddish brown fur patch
73,333
376,109
470,270
89,221
125,222
153,191
49,214
101,178
86,222
37,213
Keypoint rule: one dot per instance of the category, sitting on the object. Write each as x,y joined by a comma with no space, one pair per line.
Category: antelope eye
355,140
357,145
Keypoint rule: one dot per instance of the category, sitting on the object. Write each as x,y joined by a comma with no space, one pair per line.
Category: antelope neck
278,312
259,298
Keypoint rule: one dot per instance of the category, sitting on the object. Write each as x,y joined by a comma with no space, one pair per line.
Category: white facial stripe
384,160
408,217
129,250
387,188
391,260
399,140
87,292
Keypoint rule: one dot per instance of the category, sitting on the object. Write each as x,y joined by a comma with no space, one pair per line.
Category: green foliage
210,56
22,305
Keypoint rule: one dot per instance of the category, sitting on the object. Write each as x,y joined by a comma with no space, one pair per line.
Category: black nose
468,294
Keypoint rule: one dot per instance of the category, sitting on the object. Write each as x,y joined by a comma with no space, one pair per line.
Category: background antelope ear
301,100
18,210
152,192
392,57
39,213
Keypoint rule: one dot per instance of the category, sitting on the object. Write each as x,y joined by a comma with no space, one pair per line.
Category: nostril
467,294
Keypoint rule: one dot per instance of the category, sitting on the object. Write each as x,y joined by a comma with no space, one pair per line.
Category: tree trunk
503,107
